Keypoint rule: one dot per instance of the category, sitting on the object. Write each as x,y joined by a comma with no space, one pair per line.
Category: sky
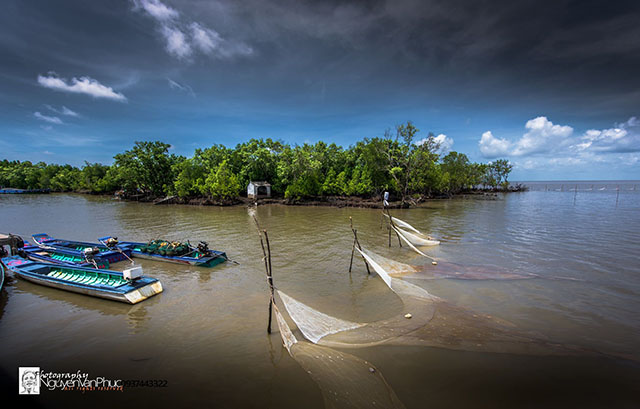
551,86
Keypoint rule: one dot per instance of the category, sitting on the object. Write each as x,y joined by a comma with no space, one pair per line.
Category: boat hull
216,258
75,248
58,256
52,275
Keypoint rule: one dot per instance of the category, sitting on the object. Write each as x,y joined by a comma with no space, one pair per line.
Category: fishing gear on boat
89,255
112,244
175,248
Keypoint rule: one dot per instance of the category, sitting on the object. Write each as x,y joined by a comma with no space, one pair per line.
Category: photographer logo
29,380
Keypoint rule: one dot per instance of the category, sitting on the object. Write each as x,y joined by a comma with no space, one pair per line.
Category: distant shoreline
326,201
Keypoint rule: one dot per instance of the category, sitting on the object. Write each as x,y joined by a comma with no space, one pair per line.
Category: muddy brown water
206,333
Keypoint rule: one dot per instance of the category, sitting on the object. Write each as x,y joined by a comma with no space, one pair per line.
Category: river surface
206,333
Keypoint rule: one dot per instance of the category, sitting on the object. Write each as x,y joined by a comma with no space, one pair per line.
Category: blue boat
68,248
64,256
200,256
12,191
108,284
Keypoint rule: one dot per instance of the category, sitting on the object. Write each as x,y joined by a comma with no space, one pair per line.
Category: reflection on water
206,333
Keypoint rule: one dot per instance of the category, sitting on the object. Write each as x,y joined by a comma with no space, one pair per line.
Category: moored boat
77,248
64,256
200,256
13,191
108,284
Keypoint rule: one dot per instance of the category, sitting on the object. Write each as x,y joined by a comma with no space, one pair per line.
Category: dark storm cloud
322,67
441,32
572,52
561,45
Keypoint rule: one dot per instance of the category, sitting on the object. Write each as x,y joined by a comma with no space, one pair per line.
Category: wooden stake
356,242
267,267
269,279
394,229
617,194
353,249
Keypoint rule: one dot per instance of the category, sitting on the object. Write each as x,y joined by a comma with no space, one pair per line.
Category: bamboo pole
267,266
394,229
357,243
269,280
353,249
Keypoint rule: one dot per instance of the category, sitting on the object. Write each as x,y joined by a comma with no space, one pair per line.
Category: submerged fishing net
322,328
433,322
444,270
345,381
406,240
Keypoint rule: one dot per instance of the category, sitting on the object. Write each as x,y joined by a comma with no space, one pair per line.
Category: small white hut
256,190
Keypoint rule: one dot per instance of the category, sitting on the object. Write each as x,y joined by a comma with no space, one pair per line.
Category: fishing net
433,322
414,248
394,268
418,239
326,330
345,381
444,270
402,223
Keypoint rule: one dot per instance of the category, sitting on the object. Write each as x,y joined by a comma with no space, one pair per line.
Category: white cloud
50,119
624,137
549,146
157,9
181,87
492,147
209,42
542,137
177,43
64,111
84,85
183,37
445,143
206,39
68,112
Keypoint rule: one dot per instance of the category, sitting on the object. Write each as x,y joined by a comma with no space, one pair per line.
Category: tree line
396,163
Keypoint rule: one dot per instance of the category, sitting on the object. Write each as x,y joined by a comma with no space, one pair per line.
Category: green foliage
146,167
222,183
400,164
459,170
497,173
190,179
300,170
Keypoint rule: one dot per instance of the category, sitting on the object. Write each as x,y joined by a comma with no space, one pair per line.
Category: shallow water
206,334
